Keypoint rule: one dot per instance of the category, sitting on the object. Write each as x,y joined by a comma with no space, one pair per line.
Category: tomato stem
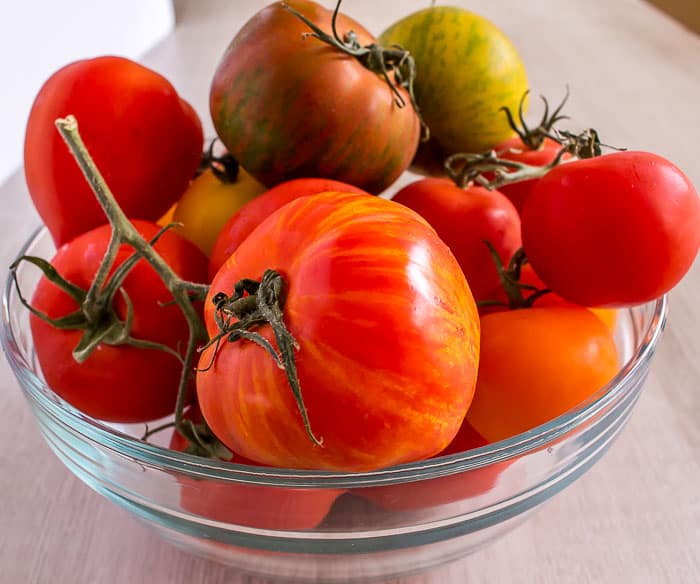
253,304
225,167
382,61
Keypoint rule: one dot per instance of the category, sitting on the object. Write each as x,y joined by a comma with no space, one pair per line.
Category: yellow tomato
208,204
607,315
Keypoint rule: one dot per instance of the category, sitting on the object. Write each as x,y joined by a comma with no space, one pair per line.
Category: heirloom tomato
242,223
536,364
442,490
466,71
387,334
146,140
464,219
287,104
118,383
209,202
616,230
264,507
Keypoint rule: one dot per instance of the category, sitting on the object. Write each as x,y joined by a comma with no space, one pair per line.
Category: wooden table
635,517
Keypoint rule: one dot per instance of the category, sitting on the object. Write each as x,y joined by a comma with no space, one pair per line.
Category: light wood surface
635,517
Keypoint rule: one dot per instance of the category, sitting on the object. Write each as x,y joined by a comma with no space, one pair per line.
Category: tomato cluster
307,322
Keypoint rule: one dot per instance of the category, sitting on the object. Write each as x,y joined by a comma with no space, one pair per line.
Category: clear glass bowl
330,527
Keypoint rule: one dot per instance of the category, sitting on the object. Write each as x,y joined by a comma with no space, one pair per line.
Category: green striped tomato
466,70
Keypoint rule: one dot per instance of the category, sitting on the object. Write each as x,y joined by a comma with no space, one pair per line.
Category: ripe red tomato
514,149
387,331
288,105
616,230
117,383
242,223
252,505
442,490
464,219
145,139
536,364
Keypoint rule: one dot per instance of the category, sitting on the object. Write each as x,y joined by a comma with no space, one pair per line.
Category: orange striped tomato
388,337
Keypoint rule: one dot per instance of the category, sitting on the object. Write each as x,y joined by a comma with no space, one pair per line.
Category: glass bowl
331,527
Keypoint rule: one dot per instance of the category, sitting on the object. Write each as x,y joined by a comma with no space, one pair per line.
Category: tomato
443,490
145,139
514,149
388,338
536,364
253,505
616,230
242,223
209,202
464,219
288,105
466,70
118,383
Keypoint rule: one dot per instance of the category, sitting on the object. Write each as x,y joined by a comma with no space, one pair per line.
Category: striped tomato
387,333
287,104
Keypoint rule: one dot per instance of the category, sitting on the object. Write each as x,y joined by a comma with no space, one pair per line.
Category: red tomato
242,223
464,219
258,506
536,364
514,149
146,141
616,230
118,383
442,490
288,105
388,340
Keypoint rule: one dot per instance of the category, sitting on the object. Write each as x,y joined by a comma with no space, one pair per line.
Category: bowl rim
149,454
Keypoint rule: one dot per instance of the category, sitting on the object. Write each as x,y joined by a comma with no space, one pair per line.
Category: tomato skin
388,335
616,230
209,202
287,105
117,383
145,139
464,219
246,219
248,504
514,149
536,364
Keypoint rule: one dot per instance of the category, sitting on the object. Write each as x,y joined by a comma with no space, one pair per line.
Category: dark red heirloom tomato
264,507
118,383
514,149
289,105
242,223
464,219
442,490
388,339
616,230
145,139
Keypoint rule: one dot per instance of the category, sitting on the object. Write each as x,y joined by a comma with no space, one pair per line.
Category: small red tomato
242,223
387,331
145,139
118,383
465,219
264,507
537,364
616,230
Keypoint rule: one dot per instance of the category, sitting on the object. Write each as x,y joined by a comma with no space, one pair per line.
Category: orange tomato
536,364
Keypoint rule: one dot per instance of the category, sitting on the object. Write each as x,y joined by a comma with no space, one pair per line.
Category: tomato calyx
518,294
533,138
383,61
225,167
253,304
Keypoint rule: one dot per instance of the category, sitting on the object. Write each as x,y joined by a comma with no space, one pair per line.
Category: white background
37,37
